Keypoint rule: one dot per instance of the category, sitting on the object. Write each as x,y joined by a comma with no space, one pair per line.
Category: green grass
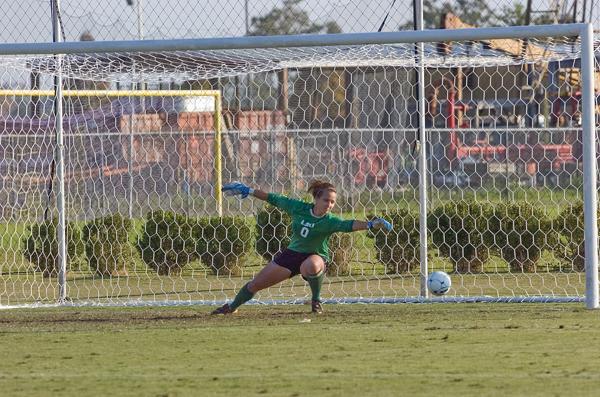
351,350
372,202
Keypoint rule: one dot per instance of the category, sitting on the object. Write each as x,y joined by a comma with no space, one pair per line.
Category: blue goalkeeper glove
237,189
379,223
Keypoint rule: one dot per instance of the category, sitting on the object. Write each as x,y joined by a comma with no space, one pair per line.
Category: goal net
150,134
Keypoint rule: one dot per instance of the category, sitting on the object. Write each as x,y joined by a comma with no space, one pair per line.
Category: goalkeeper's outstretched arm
375,224
260,194
240,189
359,225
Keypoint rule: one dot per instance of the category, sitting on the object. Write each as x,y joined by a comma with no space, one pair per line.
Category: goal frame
583,31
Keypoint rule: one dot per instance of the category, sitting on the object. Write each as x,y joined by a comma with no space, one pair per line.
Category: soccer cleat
225,309
316,307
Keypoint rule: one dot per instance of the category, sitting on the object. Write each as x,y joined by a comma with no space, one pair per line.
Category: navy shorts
291,260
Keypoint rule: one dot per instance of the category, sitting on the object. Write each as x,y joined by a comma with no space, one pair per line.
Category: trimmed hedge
524,232
107,246
340,251
273,229
463,231
398,249
224,243
167,242
40,247
570,247
467,232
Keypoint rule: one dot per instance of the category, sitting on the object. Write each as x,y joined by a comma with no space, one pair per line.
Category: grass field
351,350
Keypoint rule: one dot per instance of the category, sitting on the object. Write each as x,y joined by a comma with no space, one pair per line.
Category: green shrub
167,242
107,245
340,251
224,243
40,246
463,232
273,229
398,250
524,232
570,247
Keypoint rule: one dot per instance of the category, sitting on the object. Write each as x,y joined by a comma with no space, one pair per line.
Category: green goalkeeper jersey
310,234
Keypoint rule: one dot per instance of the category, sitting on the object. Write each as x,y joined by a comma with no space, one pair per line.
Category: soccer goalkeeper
308,252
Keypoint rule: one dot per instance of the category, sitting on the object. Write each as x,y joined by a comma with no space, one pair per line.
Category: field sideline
351,350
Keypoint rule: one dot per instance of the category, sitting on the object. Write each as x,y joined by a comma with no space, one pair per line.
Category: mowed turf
351,350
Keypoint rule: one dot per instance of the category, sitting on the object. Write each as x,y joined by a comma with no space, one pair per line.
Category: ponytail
317,188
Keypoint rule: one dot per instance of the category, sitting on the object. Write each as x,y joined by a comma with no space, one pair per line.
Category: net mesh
153,67
504,159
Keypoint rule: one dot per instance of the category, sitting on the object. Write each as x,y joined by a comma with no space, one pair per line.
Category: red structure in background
532,153
370,169
538,157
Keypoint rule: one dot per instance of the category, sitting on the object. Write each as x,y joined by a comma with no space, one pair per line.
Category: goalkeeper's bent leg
267,277
315,281
243,296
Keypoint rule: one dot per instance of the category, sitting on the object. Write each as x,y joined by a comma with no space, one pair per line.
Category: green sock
316,281
243,296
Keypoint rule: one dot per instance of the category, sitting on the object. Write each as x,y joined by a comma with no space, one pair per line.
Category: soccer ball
438,283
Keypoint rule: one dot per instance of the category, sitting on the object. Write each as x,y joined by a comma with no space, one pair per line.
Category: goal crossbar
291,41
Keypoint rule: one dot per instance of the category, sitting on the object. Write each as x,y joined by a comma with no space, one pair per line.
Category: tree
86,36
472,12
478,13
515,14
289,19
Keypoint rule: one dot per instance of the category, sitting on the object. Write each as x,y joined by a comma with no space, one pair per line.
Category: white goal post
495,196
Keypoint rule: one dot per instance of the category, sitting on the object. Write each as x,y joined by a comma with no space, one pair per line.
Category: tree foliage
472,12
481,13
289,19
515,14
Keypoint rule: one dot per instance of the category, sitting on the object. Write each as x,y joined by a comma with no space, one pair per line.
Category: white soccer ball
439,283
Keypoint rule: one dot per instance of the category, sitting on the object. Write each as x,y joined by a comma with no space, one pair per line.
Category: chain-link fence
31,21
